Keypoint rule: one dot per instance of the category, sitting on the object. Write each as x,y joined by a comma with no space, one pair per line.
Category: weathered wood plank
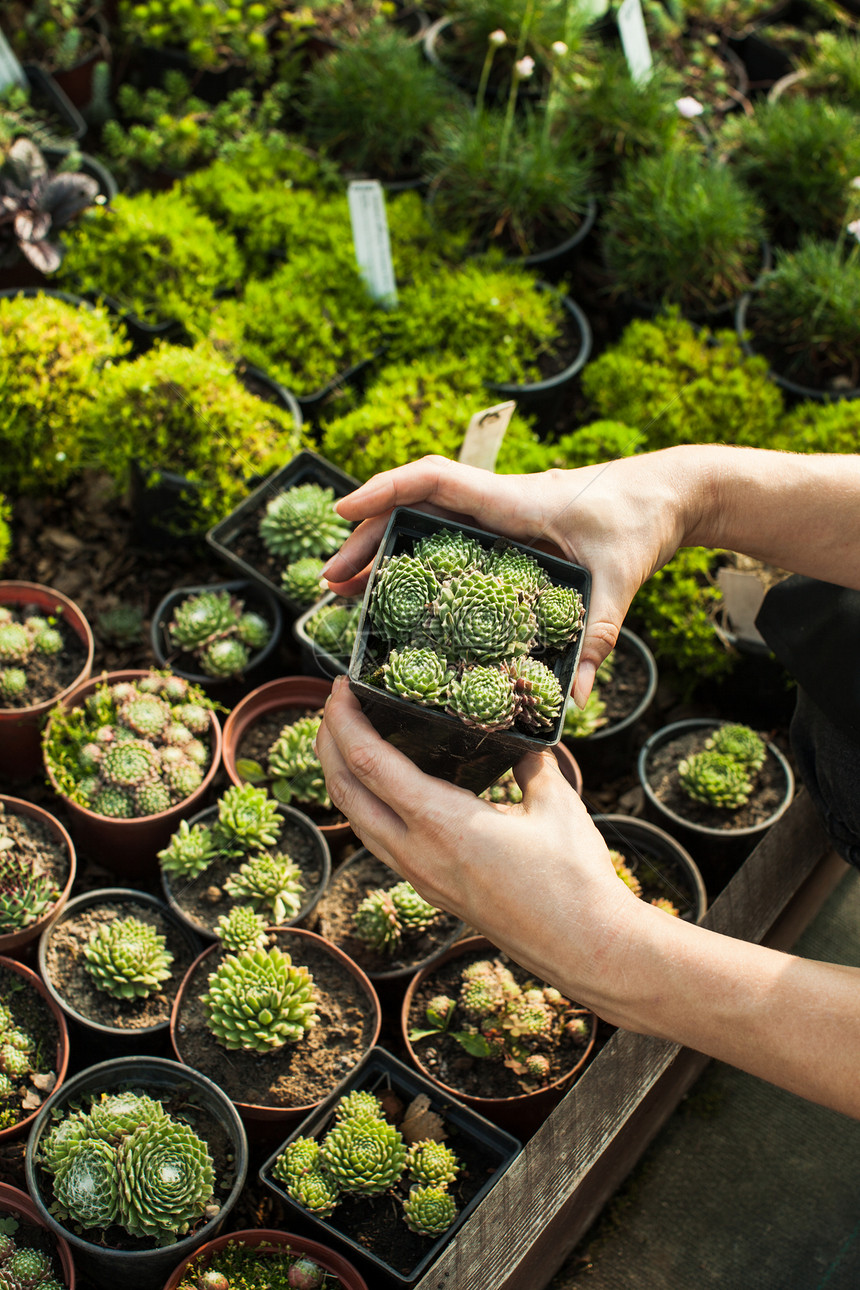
533,1217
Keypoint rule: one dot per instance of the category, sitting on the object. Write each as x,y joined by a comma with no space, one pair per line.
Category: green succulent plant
363,1154
538,692
478,618
298,1169
302,521
483,698
86,1185
716,779
333,627
190,851
429,1210
375,922
449,553
560,613
200,618
113,1115
741,743
301,580
271,884
417,674
166,1178
403,592
127,958
248,818
259,1000
432,1163
240,929
294,766
413,911
357,1103
25,891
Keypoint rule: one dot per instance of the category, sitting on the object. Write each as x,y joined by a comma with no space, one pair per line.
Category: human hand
621,520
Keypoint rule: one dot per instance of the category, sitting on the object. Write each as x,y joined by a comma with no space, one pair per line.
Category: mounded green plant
241,929
155,254
715,778
387,915
678,384
682,228
259,1000
213,33
127,958
363,1154
579,723
21,1264
26,642
741,743
675,609
819,427
429,1209
271,884
831,61
216,629
53,357
592,444
185,410
294,767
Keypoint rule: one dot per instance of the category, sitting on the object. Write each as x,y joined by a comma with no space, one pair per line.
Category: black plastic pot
440,744
108,187
109,1267
718,852
298,820
556,261
47,95
93,1038
657,859
305,467
795,391
377,1073
315,660
257,599
609,751
355,376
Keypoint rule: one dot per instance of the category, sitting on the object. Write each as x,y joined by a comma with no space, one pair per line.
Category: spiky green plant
517,569
449,553
716,779
166,1177
259,1000
432,1163
403,592
333,626
214,627
363,1155
414,912
740,742
302,521
298,1169
478,618
86,1185
417,674
539,694
249,818
375,922
429,1210
113,1115
198,619
294,766
357,1103
301,580
483,698
579,723
25,893
127,958
272,885
560,614
241,929
190,851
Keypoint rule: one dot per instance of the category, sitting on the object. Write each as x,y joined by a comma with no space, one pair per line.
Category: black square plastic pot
466,1129
317,661
440,744
226,537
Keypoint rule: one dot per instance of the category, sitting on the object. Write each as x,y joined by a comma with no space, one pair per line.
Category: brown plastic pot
15,942
521,1114
268,1241
22,1128
21,728
12,1202
263,1121
309,692
130,847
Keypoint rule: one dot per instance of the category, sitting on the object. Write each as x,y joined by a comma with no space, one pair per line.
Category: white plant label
484,436
370,238
11,71
634,39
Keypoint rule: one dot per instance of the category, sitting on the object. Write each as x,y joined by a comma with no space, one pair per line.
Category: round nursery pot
818,394
286,1074
129,847
303,693
256,599
569,767
717,845
100,1025
267,1241
659,863
135,1264
519,1113
17,1204
192,899
629,694
44,831
21,728
31,981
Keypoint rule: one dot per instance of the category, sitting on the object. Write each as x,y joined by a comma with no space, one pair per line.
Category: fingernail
584,681
328,564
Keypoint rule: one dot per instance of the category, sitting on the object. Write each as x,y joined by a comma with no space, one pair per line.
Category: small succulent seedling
386,915
363,1154
429,1210
25,893
24,641
293,769
716,779
128,958
741,743
241,929
271,883
333,626
301,580
215,628
259,1000
20,1265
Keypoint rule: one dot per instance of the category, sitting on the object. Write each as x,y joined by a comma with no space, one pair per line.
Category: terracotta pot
12,1202
569,767
30,978
521,1114
609,751
264,1121
130,847
309,692
15,942
268,1241
21,728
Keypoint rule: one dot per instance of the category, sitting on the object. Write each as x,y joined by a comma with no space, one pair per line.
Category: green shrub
589,445
819,427
675,608
5,529
832,63
184,410
212,33
679,385
155,254
53,358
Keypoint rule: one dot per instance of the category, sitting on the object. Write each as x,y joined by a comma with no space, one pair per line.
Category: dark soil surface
627,684
66,966
39,850
360,875
296,1075
768,794
31,1014
258,739
47,674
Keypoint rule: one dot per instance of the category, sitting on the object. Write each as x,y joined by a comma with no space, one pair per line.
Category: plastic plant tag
11,71
634,39
484,435
743,594
370,237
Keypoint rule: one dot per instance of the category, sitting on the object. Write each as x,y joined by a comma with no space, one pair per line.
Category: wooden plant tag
484,436
370,238
742,597
634,39
11,71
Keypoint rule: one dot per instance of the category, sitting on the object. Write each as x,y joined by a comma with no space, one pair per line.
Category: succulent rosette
363,1154
449,552
166,1177
483,698
716,779
271,884
741,743
302,521
538,692
259,1000
429,1211
560,614
86,1184
128,958
419,675
478,618
402,595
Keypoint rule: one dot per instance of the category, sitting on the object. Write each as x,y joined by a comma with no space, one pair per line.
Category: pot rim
275,1239
816,393
629,825
638,646
72,614
17,940
63,1047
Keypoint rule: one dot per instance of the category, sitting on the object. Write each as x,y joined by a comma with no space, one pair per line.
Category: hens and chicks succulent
216,629
26,891
363,1153
18,1060
25,1268
463,625
723,773
23,641
301,528
292,770
388,914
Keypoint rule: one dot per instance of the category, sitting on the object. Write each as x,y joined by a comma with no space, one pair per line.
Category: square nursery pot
317,661
487,1149
235,538
438,743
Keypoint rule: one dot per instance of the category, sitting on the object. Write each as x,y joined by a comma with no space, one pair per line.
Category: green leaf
475,1045
250,770
282,791
422,1034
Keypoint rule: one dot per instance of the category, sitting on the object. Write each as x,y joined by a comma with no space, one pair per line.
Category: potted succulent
65,37
135,1163
246,851
370,1170
326,634
216,634
655,866
48,651
718,786
467,646
37,869
25,1235
481,1029
113,960
294,1013
601,734
131,754
34,1055
254,1254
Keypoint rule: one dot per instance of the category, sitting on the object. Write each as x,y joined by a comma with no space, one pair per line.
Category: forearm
798,512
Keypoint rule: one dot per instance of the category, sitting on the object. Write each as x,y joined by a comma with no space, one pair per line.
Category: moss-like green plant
593,444
209,33
259,1000
5,529
155,254
185,410
52,356
675,608
819,427
128,958
680,385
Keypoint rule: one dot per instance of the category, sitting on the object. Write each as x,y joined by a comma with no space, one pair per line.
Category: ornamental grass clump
131,748
723,773
125,1161
218,632
389,915
462,626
